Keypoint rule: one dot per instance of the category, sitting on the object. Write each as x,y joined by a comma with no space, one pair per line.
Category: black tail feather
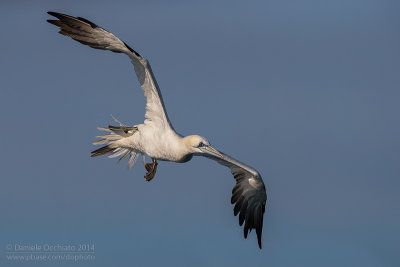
102,151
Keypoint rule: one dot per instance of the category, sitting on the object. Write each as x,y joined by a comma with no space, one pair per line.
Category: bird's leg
151,169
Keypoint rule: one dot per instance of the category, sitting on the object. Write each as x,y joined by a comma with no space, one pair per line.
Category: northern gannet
156,137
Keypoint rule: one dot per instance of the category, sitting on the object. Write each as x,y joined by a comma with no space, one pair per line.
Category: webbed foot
151,169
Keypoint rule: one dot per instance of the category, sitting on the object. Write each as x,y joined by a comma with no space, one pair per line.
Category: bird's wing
88,33
249,194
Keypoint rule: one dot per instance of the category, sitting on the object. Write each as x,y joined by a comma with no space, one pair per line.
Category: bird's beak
211,151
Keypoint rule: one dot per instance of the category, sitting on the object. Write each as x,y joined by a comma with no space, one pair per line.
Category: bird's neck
179,150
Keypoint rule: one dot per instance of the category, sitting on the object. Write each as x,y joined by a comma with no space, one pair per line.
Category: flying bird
156,137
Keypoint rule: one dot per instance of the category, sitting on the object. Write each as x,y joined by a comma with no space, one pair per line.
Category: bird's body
156,137
161,145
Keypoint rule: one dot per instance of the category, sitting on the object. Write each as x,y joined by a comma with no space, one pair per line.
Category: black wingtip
93,25
60,16
52,21
54,14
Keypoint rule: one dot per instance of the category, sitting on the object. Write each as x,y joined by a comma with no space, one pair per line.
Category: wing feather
88,33
248,195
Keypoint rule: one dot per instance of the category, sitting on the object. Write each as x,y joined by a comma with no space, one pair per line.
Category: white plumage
156,136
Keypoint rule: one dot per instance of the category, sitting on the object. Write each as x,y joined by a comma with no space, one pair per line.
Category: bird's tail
116,133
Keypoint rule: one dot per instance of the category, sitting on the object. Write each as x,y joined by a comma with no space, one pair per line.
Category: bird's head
200,145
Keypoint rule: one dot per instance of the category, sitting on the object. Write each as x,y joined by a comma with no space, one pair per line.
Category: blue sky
307,92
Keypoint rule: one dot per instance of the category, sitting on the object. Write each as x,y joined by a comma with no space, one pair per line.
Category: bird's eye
201,144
